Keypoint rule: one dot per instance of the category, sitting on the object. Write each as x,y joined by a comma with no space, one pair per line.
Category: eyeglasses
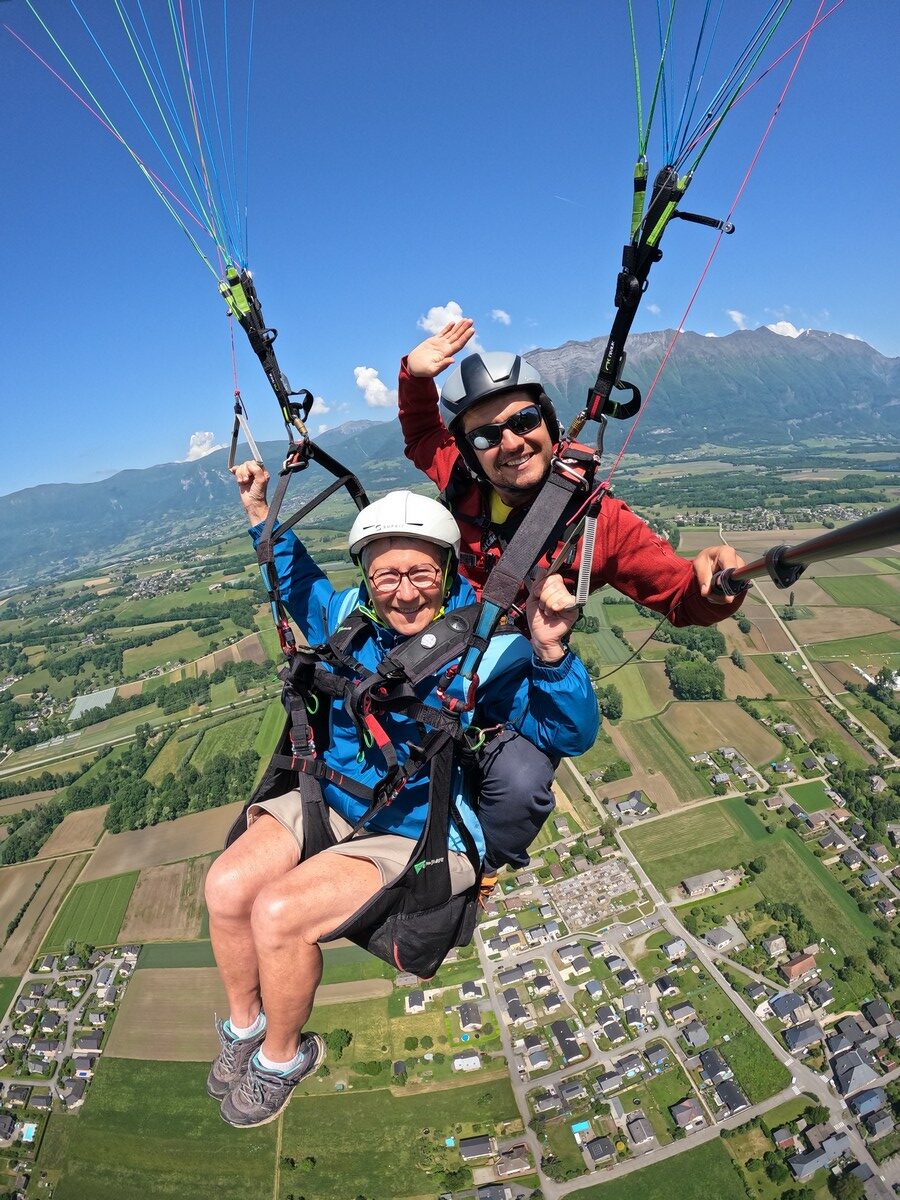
486,437
386,581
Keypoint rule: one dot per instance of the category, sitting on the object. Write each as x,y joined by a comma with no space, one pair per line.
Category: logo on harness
430,862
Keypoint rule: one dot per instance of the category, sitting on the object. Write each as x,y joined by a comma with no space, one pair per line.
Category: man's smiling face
520,461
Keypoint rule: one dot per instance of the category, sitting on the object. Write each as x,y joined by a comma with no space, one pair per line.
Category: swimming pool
28,1132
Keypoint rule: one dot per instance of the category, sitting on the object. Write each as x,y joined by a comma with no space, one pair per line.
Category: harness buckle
451,703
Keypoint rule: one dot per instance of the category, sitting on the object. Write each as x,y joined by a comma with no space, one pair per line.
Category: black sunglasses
486,437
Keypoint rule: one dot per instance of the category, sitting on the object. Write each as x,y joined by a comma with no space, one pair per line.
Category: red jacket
628,554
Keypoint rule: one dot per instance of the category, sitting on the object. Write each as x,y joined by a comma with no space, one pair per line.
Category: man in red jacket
489,460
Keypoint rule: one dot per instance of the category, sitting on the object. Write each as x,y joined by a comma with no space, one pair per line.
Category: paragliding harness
414,921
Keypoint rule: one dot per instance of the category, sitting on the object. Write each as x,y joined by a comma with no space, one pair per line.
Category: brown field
101,579
167,1016
651,783
127,690
747,682
657,684
249,648
831,624
767,633
798,714
708,725
166,904
15,888
32,800
171,841
22,946
78,831
838,674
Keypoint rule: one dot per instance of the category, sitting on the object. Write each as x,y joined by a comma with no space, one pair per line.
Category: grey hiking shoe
231,1063
262,1094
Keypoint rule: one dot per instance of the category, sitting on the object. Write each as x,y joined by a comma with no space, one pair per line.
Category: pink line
109,128
718,241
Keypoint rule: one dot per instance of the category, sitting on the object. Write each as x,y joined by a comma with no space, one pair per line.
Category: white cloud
377,394
320,408
739,318
442,314
498,314
201,444
322,427
853,337
785,329
654,308
710,335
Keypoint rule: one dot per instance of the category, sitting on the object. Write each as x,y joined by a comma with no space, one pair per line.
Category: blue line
162,83
247,130
699,88
690,80
232,161
199,213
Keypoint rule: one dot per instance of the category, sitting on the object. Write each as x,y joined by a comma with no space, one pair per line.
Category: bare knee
230,890
278,914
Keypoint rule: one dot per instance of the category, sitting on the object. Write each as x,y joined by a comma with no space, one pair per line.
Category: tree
846,1187
738,659
411,1043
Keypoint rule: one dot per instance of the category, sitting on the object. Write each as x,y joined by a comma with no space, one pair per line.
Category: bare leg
234,881
289,916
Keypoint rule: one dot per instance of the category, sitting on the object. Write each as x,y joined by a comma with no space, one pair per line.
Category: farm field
653,746
692,1175
92,913
77,831
182,645
866,591
829,623
22,945
782,682
16,885
170,841
168,759
21,803
167,1014
814,722
747,681
363,1144
229,738
175,955
8,988
710,724
167,902
689,843
70,764
642,776
638,699
871,653
811,796
149,1129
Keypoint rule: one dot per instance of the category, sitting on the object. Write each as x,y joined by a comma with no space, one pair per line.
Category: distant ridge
751,388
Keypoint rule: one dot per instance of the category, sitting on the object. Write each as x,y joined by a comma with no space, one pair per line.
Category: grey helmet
481,377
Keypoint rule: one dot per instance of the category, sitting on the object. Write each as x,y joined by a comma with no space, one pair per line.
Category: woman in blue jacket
268,909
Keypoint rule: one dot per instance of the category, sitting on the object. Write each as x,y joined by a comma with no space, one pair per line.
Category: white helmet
404,514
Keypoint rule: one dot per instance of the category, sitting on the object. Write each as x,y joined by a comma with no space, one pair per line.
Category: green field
655,749
784,683
863,591
374,1144
344,963
149,1129
176,954
7,991
269,730
875,648
755,1067
168,760
229,738
92,912
810,796
697,1174
637,702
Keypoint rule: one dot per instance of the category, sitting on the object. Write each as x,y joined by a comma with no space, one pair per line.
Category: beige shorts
388,851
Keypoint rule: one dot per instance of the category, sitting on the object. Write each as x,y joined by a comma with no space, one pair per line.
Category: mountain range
750,389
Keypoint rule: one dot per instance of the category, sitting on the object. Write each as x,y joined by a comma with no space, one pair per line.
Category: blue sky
406,157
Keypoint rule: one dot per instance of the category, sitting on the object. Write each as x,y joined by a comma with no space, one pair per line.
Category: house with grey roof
469,1017
666,986
481,1146
774,945
510,976
730,1096
879,1123
674,949
565,1039
833,1147
688,1114
695,1034
600,1149
853,1071
684,1011
714,1066
415,1001
549,1102
470,990
821,993
639,1129
868,1101
719,939
630,1065
790,1008
802,1037
609,1081
870,878
877,1013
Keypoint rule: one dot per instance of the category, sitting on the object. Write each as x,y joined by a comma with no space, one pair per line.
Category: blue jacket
554,707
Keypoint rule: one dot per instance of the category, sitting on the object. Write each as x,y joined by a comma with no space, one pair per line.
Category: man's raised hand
552,610
436,353
252,479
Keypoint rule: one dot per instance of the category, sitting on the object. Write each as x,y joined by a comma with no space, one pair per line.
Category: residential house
870,878
714,1068
853,1071
802,1037
552,1001
510,976
565,1039
415,1001
879,1123
543,983
878,1014
783,1138
630,1065
798,967
674,949
83,1067
549,1102
627,979
869,1101
852,859
696,885
470,990
571,1090
609,1081
469,1017
468,1060
47,963
89,1043
804,1166
822,993
719,939
601,1149
471,1148
774,945
790,1008
681,1012
639,1129
878,852
695,1035
688,1114
594,989
730,1096
665,986
657,1055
